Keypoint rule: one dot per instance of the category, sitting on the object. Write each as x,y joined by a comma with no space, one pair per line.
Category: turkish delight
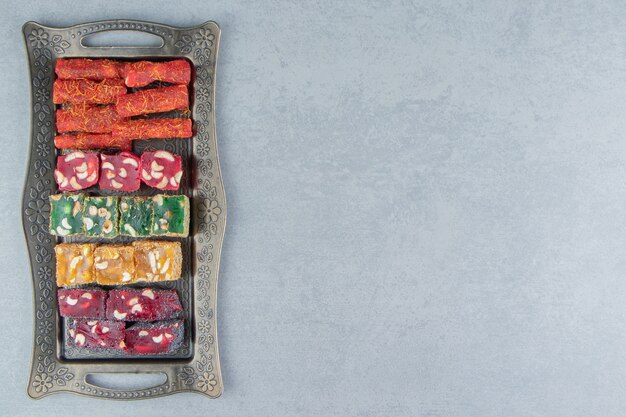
100,216
153,128
146,304
142,73
86,91
88,141
161,169
135,216
157,260
82,303
154,338
76,171
120,172
66,214
96,334
74,264
90,69
154,100
114,264
171,215
86,118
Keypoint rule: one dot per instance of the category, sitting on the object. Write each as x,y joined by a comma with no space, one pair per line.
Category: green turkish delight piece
135,216
100,216
171,215
66,214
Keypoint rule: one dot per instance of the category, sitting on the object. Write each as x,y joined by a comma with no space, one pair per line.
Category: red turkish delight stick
142,73
91,141
153,129
86,91
86,118
91,69
155,100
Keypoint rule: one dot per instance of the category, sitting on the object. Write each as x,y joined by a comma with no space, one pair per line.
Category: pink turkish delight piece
119,172
97,334
161,169
82,303
76,171
154,338
146,304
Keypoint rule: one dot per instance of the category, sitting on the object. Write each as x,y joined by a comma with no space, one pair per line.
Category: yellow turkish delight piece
114,264
157,260
74,264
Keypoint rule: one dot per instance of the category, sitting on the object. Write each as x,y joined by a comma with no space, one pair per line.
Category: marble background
427,208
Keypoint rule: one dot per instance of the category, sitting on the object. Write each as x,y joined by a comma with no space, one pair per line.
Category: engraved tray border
50,372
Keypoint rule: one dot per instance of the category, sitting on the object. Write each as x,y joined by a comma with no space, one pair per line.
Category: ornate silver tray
195,366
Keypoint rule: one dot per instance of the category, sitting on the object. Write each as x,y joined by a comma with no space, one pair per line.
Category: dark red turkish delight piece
161,170
97,334
88,303
119,172
76,170
154,338
146,304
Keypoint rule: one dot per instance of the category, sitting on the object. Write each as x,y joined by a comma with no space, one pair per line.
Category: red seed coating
91,69
152,339
86,91
82,303
86,118
161,169
142,73
76,171
119,172
155,100
148,304
91,141
97,334
153,129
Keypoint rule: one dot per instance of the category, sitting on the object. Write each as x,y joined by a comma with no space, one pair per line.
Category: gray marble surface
427,208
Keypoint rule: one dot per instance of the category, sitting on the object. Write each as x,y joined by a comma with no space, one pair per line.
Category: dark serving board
195,366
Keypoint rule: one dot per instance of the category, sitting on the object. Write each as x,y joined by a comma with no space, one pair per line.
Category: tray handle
138,39
164,32
90,387
175,40
168,34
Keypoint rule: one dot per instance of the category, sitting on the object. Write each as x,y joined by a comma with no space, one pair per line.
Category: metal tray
195,366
